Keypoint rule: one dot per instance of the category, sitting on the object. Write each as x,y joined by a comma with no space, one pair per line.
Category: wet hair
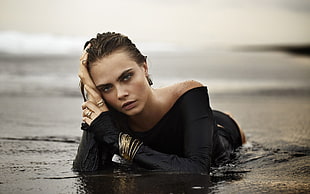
107,43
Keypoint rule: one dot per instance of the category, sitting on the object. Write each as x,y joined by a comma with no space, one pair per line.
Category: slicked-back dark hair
107,43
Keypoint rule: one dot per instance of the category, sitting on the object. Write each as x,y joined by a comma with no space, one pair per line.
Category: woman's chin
132,112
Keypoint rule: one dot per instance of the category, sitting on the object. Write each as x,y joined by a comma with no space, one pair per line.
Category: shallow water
36,166
40,119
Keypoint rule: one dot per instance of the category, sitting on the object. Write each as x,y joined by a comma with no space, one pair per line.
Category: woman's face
122,82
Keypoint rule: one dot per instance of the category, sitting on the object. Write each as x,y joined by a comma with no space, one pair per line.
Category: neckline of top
170,110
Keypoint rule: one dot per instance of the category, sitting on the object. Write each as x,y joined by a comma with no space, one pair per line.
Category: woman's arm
88,154
91,155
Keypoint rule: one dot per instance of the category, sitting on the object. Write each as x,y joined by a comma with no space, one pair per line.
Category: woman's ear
145,68
146,73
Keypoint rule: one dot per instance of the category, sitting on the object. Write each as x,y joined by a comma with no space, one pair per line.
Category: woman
125,119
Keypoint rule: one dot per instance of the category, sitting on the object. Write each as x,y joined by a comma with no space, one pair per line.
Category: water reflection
254,164
128,180
123,182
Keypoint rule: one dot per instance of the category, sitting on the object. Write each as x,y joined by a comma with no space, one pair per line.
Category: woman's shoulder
170,96
183,87
173,92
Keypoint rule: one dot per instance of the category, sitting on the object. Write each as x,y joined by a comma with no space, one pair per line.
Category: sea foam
20,43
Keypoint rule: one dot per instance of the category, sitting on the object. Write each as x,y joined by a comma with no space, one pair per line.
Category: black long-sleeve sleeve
88,157
98,144
198,126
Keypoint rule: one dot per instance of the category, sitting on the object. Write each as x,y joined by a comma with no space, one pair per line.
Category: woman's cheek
110,100
140,84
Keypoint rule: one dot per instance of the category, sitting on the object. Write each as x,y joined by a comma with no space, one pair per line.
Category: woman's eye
127,77
106,89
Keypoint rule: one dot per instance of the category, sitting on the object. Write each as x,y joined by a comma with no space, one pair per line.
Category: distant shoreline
291,49
298,49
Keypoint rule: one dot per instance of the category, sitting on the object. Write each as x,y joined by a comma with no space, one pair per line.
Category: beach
268,93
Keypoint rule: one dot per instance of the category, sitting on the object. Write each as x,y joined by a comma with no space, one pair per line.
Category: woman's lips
129,105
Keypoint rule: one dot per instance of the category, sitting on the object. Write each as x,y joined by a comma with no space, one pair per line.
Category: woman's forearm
154,160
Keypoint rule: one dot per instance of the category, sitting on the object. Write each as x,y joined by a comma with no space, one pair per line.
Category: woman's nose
122,92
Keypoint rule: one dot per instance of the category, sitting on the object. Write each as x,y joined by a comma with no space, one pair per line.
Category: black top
182,140
185,139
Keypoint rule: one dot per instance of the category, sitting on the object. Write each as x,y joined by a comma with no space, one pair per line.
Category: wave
12,42
19,43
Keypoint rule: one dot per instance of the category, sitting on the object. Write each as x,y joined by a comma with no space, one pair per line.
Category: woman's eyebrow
118,79
123,74
102,86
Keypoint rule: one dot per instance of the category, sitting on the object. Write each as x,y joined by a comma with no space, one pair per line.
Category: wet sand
40,131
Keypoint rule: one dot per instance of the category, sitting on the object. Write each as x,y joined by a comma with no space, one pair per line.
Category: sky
179,22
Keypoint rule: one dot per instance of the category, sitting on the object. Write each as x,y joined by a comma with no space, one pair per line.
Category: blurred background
206,40
43,26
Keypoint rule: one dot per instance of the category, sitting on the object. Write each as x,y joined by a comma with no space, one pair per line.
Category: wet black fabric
187,139
227,137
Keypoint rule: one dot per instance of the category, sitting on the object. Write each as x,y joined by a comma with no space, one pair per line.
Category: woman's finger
88,105
96,98
85,52
88,116
87,120
94,94
85,77
90,111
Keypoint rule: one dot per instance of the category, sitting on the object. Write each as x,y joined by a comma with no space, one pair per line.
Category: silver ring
89,113
100,103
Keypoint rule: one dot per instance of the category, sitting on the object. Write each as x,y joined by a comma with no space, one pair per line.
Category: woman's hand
93,107
95,104
83,71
